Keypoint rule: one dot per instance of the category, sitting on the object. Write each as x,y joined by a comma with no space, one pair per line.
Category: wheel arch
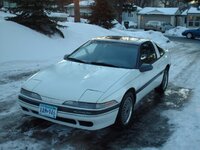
133,91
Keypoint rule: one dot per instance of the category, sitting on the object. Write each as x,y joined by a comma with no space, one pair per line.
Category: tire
189,35
125,114
163,86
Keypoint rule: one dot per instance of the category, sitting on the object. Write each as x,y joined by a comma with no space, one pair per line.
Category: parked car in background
157,26
97,85
192,33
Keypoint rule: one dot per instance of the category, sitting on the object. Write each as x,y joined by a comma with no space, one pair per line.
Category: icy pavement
161,122
150,129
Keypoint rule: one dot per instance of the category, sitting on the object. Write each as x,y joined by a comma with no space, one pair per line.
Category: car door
149,79
198,32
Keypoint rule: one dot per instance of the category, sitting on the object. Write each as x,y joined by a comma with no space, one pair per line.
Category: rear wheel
163,86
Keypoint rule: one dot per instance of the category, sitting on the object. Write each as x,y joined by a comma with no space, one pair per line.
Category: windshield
103,53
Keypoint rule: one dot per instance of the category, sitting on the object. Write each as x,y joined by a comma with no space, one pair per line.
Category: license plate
47,110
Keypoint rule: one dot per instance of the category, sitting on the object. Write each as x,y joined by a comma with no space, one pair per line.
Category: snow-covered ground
177,31
24,51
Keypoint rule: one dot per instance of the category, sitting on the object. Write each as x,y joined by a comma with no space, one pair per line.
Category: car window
87,49
161,51
147,53
99,52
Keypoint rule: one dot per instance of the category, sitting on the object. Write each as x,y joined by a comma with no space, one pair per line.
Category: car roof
123,39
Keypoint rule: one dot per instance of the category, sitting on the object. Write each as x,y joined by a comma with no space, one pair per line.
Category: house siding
84,11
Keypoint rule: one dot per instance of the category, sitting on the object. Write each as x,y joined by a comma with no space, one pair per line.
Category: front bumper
77,118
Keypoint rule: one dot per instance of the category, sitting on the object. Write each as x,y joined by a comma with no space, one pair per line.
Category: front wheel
189,35
163,86
125,114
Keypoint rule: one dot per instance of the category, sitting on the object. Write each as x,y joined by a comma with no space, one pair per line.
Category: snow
57,14
188,129
158,10
194,10
84,3
71,19
185,13
191,10
177,31
3,15
157,37
22,144
40,47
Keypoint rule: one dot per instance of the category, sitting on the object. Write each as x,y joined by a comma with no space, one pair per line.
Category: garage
157,14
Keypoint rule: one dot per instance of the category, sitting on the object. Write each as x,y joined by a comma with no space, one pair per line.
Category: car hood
191,30
74,81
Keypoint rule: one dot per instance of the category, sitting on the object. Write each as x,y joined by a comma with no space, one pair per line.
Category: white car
97,85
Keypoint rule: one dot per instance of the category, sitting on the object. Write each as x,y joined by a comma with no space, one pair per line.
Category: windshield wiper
75,60
103,64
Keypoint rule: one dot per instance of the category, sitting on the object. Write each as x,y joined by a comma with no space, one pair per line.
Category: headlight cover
30,94
91,105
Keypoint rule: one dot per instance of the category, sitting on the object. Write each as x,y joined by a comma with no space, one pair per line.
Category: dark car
192,33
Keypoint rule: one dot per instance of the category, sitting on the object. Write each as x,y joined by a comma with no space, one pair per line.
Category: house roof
138,8
185,13
159,10
83,3
193,10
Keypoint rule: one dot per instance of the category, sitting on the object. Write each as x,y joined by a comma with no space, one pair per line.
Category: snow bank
71,19
157,37
21,43
177,31
4,15
57,14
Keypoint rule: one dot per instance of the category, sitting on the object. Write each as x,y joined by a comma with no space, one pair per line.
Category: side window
161,51
148,53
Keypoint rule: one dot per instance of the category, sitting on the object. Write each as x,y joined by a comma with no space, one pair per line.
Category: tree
196,1
102,14
169,3
76,11
34,14
62,3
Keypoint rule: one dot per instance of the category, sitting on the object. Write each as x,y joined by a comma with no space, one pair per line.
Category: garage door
146,18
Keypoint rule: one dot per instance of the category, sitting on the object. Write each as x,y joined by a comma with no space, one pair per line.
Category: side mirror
66,56
146,67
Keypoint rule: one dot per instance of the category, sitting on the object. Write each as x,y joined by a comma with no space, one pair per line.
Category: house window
194,21
130,15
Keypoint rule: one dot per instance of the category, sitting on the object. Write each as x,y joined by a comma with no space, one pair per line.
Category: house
158,14
85,10
7,4
193,17
130,12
